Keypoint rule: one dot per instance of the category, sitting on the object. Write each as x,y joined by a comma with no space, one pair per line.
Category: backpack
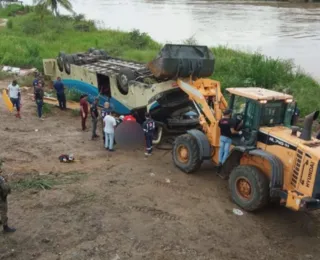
37,93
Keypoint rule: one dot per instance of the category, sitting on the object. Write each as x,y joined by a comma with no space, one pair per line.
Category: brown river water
280,30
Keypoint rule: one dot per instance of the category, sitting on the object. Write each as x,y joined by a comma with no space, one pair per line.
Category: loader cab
249,114
246,114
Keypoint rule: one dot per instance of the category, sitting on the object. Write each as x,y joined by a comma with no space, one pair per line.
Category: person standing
107,109
94,115
5,190
59,87
15,96
84,110
36,81
109,126
38,97
226,125
149,127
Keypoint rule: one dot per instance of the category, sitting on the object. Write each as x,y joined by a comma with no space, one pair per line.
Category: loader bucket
174,61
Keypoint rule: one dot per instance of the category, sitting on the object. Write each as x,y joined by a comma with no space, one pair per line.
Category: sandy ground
129,207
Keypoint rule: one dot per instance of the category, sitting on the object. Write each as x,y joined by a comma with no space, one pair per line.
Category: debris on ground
18,71
237,212
66,158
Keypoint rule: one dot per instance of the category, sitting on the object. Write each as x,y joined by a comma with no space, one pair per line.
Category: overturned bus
134,88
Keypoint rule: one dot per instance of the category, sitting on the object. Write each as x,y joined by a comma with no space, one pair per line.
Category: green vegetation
73,95
35,183
38,34
46,182
75,112
47,108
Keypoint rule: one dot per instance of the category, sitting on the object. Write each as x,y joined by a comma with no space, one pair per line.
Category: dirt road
129,207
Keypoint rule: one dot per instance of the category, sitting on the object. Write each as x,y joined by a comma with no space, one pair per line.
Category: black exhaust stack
306,133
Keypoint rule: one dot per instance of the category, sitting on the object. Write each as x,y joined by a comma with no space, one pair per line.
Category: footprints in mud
169,186
155,212
183,190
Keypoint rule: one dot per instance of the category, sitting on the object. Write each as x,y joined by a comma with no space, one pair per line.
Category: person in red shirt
84,110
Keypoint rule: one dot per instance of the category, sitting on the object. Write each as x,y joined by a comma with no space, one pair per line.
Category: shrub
138,40
32,27
73,95
47,109
9,24
11,10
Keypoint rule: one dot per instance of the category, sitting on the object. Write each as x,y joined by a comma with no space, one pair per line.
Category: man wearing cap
226,125
94,115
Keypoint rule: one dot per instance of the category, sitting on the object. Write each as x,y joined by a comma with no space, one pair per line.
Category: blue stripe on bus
154,105
92,92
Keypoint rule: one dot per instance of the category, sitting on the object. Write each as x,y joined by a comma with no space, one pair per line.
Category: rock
309,256
46,240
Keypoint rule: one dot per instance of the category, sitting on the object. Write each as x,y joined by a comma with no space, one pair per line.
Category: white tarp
18,71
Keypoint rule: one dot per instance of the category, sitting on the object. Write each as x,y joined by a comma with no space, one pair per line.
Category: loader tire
249,187
186,153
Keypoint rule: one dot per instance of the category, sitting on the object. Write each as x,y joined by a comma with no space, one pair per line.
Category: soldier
4,191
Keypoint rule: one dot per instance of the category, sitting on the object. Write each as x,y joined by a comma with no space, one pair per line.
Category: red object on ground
129,118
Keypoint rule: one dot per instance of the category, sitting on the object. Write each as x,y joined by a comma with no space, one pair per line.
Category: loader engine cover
175,61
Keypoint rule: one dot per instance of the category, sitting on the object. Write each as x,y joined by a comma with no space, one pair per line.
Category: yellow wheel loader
268,160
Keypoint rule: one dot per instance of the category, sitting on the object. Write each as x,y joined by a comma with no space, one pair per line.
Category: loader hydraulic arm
207,120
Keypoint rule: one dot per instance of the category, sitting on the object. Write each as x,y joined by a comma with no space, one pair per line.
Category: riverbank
29,38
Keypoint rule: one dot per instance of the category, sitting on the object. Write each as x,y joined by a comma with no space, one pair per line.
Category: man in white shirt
109,123
14,95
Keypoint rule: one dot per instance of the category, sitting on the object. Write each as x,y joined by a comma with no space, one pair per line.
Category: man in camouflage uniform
4,191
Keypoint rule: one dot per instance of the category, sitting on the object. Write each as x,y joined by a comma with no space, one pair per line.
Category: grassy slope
27,40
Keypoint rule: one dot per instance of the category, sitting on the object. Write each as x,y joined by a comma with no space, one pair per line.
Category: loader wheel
249,187
186,153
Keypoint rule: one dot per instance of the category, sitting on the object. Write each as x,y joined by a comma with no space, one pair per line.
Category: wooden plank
53,101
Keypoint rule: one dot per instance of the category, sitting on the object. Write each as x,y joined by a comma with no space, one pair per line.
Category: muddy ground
128,207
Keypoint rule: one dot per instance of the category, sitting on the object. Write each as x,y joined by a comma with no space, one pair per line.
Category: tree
53,5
